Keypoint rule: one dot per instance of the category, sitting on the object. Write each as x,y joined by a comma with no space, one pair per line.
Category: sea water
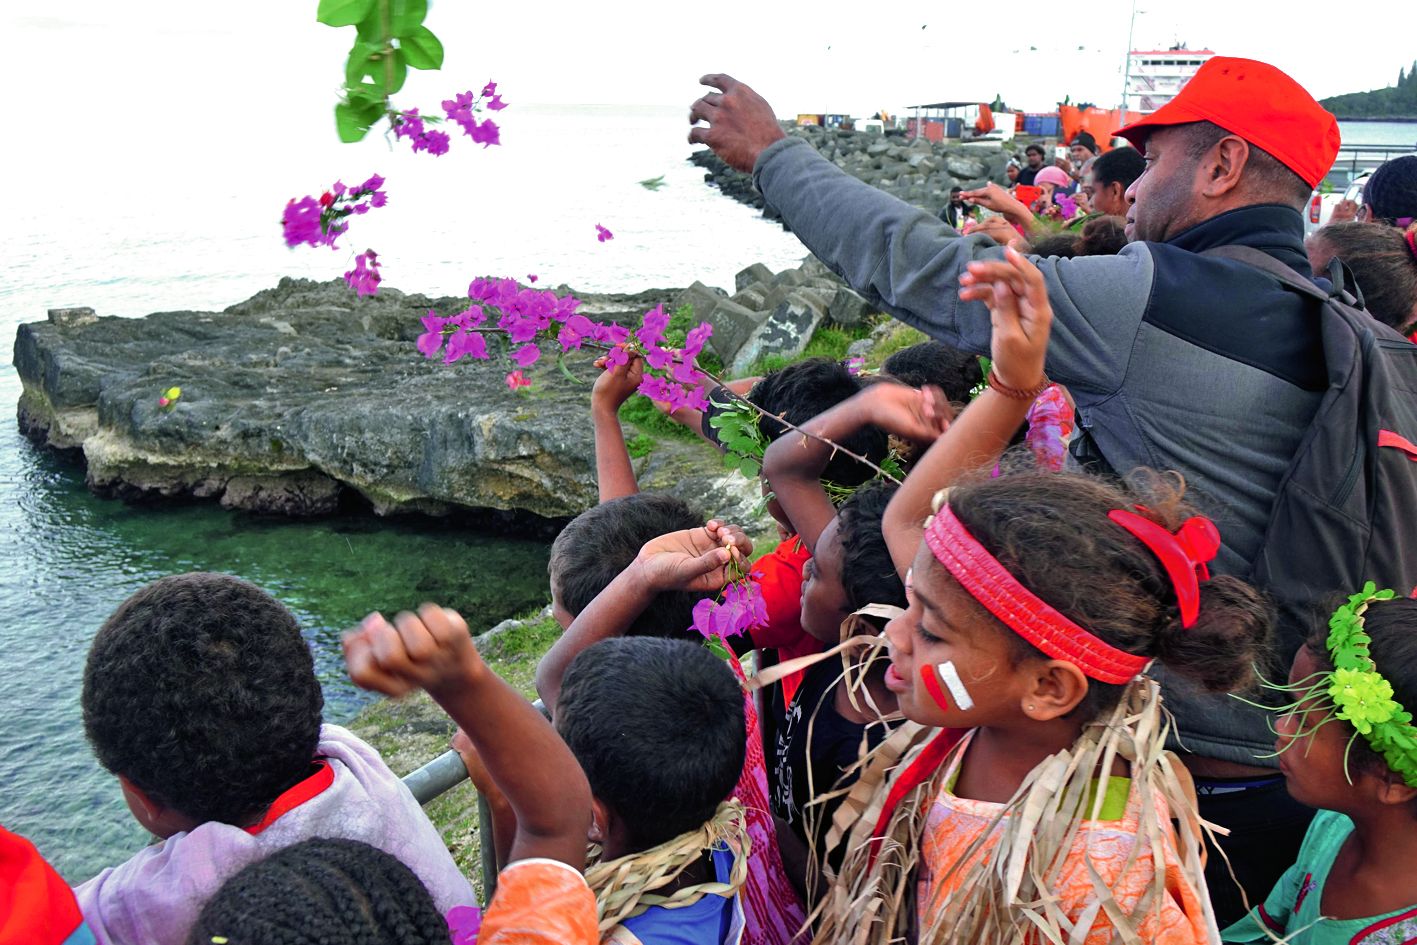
205,234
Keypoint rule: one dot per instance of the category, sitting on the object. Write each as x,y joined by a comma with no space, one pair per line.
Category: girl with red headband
1029,796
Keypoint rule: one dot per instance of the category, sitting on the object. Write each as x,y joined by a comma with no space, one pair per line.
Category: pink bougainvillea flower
651,330
602,234
486,134
464,922
364,277
854,366
658,358
517,379
465,344
302,223
372,184
574,331
531,278
431,341
496,104
489,89
526,355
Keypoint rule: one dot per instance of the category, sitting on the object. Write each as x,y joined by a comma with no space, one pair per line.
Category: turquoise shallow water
70,558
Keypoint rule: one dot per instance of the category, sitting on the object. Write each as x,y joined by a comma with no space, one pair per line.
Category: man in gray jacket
1176,359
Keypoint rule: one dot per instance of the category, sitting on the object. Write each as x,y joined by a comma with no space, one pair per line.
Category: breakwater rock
304,398
917,171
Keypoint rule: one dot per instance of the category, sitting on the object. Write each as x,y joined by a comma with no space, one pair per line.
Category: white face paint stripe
955,685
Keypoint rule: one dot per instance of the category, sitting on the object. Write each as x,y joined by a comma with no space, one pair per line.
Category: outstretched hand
429,650
695,559
993,197
739,123
1019,313
618,383
919,416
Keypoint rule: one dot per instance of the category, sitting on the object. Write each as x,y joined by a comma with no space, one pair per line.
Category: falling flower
364,277
485,134
320,222
464,923
517,379
168,399
489,89
531,278
602,234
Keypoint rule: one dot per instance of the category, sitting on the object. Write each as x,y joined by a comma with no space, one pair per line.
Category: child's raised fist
429,650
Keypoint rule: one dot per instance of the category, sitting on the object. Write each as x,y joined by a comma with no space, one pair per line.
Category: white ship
1154,76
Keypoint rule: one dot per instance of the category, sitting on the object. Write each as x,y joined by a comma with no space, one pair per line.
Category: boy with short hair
200,695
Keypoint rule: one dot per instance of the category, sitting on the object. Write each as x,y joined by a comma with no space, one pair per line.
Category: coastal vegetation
1395,101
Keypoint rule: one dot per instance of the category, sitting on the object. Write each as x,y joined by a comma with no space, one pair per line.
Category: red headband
1411,237
988,582
1183,554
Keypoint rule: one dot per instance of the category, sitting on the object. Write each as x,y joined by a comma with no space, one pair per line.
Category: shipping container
811,119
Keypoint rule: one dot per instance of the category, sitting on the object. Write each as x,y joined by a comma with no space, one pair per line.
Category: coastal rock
72,317
757,272
305,397
785,332
848,308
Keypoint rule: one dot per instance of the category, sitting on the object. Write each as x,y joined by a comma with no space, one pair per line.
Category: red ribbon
1183,554
1388,438
1023,612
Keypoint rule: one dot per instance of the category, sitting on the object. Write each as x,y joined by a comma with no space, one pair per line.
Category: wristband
1014,392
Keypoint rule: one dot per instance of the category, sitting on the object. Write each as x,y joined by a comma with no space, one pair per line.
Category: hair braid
323,892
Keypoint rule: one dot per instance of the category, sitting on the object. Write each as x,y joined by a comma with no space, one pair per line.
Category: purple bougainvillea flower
301,223
615,357
379,198
339,188
517,379
489,89
658,358
531,277
485,134
464,922
686,371
431,341
602,234
373,183
855,366
694,341
435,142
465,344
364,277
651,330
496,103
573,331
526,355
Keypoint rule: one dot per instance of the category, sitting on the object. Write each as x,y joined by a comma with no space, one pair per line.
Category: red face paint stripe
932,686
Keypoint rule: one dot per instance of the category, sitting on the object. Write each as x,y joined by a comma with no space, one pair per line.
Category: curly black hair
868,574
954,371
603,541
200,690
801,391
321,891
658,728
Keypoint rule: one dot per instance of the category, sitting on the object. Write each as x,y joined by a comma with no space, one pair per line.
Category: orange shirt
540,902
1177,918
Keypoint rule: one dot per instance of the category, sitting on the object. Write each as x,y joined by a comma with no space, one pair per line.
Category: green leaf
371,28
405,16
749,468
561,363
353,121
343,12
361,62
421,49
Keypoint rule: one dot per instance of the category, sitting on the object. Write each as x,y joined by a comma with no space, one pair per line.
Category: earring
1030,707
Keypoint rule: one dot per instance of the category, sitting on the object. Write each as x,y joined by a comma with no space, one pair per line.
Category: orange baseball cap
1260,104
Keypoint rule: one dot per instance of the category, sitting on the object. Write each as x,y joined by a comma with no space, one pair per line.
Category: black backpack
1346,509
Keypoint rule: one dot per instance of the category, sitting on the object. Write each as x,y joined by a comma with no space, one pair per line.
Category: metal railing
1356,159
437,778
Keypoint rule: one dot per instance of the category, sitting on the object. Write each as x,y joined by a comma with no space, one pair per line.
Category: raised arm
1018,299
543,784
696,559
907,262
793,463
614,473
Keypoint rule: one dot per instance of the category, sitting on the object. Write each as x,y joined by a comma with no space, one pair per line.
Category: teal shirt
1292,909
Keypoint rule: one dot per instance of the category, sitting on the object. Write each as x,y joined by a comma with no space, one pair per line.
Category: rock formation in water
915,170
303,395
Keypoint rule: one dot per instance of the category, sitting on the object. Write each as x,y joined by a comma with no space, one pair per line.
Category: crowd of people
988,698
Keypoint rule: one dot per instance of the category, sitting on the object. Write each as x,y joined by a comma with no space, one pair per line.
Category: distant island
1395,101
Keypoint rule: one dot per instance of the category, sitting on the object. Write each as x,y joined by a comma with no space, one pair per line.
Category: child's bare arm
793,463
533,768
1018,304
614,472
696,559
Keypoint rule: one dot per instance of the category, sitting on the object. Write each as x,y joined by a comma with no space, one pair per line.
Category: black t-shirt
1027,174
835,744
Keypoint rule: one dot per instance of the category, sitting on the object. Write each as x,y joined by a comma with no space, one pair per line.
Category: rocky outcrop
305,397
915,170
773,313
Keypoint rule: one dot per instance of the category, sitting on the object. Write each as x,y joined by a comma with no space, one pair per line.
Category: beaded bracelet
1016,393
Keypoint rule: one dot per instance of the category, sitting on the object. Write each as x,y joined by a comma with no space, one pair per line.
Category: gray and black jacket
1176,360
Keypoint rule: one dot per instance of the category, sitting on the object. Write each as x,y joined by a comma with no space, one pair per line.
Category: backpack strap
1264,261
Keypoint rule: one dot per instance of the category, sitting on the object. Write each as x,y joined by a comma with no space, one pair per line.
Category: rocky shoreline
917,171
305,400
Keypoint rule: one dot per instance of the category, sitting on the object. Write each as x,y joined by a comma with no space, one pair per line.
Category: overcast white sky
94,60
